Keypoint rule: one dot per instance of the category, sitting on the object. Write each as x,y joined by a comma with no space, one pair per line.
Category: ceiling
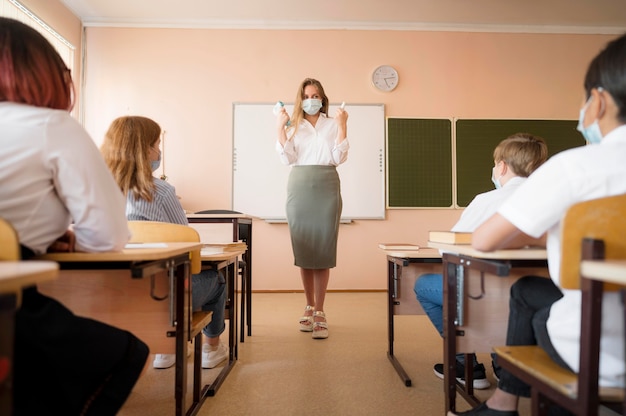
559,16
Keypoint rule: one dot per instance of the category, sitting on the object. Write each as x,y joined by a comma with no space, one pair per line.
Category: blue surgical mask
156,163
311,106
495,181
592,133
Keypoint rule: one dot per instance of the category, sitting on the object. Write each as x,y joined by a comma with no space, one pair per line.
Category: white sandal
320,329
306,321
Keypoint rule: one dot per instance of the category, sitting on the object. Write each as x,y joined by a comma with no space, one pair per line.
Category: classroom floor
282,371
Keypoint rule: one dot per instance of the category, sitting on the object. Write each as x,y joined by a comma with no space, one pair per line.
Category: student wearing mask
131,151
515,158
542,313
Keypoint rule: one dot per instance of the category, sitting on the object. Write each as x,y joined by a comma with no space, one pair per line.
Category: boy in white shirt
515,158
540,312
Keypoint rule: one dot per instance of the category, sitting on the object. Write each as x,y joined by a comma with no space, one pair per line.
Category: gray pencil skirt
313,212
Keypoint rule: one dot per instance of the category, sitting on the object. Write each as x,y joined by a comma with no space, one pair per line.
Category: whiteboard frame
262,190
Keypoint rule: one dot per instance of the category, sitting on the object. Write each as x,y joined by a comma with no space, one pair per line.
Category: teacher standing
314,145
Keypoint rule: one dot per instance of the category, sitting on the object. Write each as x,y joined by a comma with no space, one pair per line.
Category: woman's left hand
341,116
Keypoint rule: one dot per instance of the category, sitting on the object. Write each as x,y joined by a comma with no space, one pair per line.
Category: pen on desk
343,105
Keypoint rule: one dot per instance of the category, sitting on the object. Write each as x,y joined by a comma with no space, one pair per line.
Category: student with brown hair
131,150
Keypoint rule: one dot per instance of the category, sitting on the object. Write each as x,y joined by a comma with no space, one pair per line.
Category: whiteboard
260,178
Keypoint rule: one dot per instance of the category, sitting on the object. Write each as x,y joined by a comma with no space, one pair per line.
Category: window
15,10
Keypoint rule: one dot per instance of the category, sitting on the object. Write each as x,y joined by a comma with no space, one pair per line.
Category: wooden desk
458,262
144,262
226,261
397,261
242,224
14,276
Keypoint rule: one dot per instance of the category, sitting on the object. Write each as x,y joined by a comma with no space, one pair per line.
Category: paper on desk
146,245
208,250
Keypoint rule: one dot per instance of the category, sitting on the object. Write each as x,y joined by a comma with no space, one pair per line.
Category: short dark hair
608,70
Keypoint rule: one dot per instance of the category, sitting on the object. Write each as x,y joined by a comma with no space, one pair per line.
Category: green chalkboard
419,163
476,139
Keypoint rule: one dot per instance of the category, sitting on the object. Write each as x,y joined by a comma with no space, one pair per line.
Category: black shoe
480,381
496,370
483,410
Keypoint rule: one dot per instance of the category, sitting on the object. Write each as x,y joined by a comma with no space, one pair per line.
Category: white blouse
314,145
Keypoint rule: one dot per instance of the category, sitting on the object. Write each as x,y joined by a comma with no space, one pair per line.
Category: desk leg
8,305
246,283
392,280
182,316
248,258
451,279
449,341
244,296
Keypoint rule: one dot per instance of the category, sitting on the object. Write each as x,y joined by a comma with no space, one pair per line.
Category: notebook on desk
218,248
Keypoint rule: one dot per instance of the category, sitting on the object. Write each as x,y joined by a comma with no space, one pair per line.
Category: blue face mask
156,163
311,106
592,133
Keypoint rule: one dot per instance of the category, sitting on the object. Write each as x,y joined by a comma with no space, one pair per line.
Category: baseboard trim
328,291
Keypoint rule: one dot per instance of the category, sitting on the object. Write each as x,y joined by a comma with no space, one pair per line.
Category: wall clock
385,78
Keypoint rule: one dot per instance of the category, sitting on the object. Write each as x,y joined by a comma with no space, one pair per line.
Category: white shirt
314,145
572,176
52,174
485,205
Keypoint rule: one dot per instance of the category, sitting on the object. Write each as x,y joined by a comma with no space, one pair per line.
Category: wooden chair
585,224
9,243
163,232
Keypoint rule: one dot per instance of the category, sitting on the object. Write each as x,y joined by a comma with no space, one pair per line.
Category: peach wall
188,79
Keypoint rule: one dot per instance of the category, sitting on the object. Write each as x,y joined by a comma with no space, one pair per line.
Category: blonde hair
126,151
298,112
522,152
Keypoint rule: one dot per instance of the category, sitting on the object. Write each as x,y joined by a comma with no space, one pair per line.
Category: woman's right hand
282,118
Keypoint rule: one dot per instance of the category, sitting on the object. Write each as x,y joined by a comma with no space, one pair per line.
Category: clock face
385,78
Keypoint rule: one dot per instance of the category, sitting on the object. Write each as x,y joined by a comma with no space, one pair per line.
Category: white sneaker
162,361
211,358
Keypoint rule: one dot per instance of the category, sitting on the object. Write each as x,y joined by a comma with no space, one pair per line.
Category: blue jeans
429,292
208,293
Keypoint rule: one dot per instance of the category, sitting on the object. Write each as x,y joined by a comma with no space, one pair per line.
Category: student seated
131,150
540,312
515,158
52,175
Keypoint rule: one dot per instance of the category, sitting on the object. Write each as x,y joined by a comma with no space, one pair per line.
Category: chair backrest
217,211
9,243
603,219
165,232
